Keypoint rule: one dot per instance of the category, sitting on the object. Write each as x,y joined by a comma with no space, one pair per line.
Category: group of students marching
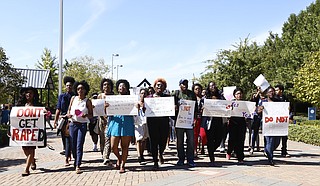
74,111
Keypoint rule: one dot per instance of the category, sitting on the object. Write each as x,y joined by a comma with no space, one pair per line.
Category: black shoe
271,163
63,152
155,166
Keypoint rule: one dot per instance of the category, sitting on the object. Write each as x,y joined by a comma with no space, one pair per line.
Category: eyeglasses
159,85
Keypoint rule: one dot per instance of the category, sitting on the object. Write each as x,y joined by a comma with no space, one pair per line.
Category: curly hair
125,82
84,84
106,80
67,79
22,97
162,80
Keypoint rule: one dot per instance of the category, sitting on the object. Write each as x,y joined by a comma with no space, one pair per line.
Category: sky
171,39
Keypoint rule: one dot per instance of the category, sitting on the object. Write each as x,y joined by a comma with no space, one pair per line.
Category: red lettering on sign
29,112
268,119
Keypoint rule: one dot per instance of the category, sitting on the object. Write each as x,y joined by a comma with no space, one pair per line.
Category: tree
10,79
85,68
237,67
307,81
49,62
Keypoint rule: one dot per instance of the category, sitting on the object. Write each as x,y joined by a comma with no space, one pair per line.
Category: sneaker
191,164
180,163
251,151
222,150
228,156
106,161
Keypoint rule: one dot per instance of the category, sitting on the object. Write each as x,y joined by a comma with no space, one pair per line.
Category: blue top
120,125
5,116
64,101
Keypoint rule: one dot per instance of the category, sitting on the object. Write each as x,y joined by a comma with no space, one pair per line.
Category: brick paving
301,168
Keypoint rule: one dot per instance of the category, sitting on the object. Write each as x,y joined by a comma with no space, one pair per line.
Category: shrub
307,131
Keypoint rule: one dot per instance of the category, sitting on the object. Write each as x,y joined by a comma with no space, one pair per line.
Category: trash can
312,113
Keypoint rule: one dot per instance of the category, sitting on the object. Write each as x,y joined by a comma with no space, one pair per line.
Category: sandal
78,171
34,166
122,170
26,173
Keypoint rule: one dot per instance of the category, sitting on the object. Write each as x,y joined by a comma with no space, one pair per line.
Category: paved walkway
302,168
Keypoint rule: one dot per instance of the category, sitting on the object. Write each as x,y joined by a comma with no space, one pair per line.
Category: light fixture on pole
118,70
116,55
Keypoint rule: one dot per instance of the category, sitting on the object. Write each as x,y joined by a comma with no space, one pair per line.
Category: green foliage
305,133
10,79
85,68
307,81
237,67
279,59
50,62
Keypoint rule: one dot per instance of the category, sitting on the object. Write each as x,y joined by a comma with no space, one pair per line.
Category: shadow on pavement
9,163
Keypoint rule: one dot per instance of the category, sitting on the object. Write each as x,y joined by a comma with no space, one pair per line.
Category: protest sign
159,106
186,114
275,118
228,92
261,82
216,108
122,105
27,126
98,107
243,109
225,108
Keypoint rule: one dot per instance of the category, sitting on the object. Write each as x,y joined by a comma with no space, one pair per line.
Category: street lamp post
116,55
118,70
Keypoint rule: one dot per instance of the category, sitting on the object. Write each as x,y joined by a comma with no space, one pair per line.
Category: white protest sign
98,107
275,118
159,106
122,105
27,126
243,109
228,92
261,82
186,114
216,107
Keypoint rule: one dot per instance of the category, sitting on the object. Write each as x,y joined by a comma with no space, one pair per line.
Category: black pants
214,136
158,132
284,140
237,134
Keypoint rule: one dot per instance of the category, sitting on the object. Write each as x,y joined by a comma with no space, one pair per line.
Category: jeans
272,142
68,147
77,134
190,144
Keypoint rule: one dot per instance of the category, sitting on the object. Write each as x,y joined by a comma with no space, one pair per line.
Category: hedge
306,131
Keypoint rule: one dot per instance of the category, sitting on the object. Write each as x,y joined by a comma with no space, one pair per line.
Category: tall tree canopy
85,68
49,62
283,58
10,79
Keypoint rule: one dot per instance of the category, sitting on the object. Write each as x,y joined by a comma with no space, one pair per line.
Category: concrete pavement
301,168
